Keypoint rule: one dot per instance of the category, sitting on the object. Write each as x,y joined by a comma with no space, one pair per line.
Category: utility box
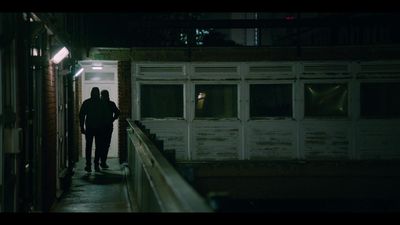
12,140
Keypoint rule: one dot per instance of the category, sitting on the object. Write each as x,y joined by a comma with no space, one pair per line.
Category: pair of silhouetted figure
96,119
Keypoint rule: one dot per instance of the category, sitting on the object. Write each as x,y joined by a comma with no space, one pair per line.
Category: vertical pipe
27,121
1,115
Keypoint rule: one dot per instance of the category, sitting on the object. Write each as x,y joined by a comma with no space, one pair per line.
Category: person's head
95,93
105,95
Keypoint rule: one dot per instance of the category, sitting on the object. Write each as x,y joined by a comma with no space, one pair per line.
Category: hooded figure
92,123
111,114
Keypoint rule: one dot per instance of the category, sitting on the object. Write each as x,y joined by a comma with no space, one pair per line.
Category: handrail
169,191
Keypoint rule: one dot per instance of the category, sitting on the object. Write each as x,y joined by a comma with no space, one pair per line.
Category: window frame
193,100
374,81
100,81
138,99
325,81
293,88
106,69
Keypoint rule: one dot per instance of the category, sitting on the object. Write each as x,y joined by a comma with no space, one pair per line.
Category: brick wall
124,96
49,137
77,105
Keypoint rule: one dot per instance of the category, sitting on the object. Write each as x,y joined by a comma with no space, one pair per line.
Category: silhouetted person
92,125
111,114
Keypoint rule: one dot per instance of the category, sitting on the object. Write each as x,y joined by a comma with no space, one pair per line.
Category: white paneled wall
272,138
216,140
173,133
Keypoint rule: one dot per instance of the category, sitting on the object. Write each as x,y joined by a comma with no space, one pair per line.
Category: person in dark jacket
92,122
111,114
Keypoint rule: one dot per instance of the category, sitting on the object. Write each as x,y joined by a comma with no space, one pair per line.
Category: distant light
289,18
79,72
57,58
97,67
201,95
35,52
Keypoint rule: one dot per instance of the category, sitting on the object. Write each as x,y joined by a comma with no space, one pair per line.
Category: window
90,76
161,101
216,101
379,100
325,100
270,100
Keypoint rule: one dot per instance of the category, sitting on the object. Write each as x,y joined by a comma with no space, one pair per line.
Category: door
61,130
106,79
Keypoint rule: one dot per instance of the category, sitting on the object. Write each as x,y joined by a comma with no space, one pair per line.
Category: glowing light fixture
79,72
57,58
97,66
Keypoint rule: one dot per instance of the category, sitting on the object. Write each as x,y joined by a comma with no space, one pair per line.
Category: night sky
116,29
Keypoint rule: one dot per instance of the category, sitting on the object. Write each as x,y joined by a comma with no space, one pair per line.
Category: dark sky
116,29
120,29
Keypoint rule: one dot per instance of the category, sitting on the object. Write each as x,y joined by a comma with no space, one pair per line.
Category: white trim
325,69
221,71
269,70
160,70
378,69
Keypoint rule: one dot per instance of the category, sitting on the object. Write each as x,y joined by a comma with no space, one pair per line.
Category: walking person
111,114
91,121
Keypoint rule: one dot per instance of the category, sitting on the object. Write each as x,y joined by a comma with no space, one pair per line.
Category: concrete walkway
103,191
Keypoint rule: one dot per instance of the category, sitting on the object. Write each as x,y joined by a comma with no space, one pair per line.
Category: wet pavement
103,191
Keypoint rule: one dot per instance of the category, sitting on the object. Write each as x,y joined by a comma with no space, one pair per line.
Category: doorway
104,75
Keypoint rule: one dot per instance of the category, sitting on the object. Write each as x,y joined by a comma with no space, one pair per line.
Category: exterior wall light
57,58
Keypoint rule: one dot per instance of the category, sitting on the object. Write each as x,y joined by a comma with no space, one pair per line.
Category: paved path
103,191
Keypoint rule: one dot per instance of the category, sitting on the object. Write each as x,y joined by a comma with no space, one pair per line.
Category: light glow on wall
78,73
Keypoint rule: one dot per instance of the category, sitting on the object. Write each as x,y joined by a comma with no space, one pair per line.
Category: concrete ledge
215,54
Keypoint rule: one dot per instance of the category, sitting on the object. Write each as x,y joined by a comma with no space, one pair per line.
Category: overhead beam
266,23
61,36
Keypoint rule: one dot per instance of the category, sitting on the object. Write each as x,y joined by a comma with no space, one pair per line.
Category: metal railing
154,184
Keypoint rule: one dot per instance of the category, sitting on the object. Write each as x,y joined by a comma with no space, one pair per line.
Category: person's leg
107,142
99,140
88,149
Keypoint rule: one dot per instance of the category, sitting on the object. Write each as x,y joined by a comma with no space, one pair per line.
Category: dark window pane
325,100
379,100
270,100
218,101
161,101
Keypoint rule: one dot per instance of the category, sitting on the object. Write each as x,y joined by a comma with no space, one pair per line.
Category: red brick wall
124,99
49,136
77,105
